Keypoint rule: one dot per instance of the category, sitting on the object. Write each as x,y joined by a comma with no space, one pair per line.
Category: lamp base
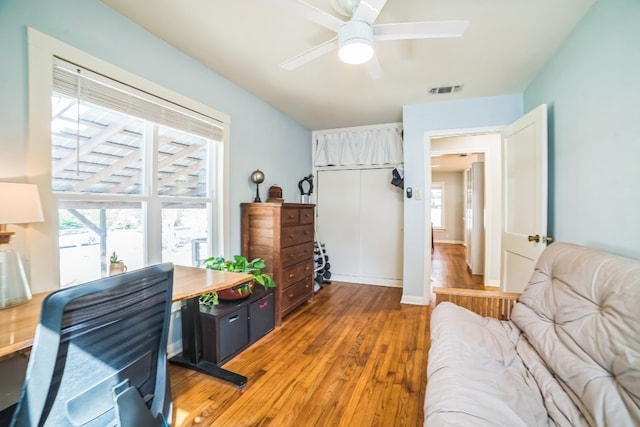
14,288
257,199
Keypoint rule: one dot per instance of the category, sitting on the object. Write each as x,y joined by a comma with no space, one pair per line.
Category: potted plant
238,264
116,265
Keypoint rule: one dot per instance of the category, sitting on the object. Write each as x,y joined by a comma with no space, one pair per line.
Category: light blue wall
592,86
261,136
440,116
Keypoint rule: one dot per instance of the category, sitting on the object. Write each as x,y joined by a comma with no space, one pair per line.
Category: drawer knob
291,275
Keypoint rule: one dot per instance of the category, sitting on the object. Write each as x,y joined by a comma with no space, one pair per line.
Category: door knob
537,238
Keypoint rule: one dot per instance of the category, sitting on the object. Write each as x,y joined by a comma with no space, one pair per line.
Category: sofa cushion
475,376
580,312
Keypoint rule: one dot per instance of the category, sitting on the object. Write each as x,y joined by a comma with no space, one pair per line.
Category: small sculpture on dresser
275,194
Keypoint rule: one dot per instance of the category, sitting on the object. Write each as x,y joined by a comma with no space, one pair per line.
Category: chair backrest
99,354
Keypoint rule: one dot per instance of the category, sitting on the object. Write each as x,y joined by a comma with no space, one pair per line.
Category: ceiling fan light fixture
355,39
356,52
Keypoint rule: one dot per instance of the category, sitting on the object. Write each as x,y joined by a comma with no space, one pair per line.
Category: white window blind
77,82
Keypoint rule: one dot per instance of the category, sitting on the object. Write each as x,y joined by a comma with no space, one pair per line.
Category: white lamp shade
20,203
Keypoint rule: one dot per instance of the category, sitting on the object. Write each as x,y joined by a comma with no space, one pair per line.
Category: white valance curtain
361,147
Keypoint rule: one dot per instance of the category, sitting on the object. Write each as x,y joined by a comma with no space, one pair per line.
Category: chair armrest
486,303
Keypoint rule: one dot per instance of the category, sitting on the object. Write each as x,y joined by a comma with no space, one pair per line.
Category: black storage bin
224,335
233,332
232,326
261,317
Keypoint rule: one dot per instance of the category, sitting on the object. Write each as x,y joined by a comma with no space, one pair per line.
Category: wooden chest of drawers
282,234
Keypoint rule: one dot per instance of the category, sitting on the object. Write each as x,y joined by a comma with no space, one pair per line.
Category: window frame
42,49
439,185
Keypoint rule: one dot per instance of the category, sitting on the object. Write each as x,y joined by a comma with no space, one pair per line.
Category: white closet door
338,207
381,220
360,217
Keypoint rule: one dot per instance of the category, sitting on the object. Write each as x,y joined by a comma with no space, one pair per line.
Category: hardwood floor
354,356
449,268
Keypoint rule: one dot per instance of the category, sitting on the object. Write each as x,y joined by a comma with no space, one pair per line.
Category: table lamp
20,205
257,177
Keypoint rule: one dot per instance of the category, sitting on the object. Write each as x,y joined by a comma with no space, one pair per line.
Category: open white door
524,232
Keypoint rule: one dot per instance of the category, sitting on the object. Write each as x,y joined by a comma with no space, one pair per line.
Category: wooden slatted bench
488,303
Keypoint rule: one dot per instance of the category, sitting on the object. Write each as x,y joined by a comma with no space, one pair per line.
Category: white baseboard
451,242
396,283
407,299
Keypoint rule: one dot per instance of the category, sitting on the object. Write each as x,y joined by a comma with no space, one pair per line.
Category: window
437,204
131,173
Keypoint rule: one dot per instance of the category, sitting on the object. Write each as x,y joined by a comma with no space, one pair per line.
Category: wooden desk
18,324
188,284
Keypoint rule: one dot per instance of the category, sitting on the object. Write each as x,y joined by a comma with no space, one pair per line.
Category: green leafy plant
209,299
114,258
238,264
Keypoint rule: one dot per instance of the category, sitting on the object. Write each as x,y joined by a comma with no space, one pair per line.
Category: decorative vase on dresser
283,235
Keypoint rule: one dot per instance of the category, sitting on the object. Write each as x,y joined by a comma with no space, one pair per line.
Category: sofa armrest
486,303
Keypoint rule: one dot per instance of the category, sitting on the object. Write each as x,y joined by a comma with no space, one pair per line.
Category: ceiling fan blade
373,68
419,30
311,13
311,54
368,10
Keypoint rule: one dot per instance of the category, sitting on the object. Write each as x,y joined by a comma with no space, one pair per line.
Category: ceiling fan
354,37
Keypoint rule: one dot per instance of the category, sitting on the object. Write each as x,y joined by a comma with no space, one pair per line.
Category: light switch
418,194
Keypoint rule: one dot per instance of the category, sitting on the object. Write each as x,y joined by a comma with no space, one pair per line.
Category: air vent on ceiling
445,89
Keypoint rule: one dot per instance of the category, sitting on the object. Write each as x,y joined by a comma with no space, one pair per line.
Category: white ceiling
454,162
505,45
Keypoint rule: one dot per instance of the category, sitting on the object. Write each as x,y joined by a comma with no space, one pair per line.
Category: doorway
457,206
485,143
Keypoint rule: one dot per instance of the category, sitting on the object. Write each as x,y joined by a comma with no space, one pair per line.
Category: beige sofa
566,354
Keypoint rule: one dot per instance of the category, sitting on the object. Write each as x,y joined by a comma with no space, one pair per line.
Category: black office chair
99,354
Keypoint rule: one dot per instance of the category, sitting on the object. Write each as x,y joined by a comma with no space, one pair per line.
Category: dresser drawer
306,216
295,273
295,294
289,216
294,254
296,234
